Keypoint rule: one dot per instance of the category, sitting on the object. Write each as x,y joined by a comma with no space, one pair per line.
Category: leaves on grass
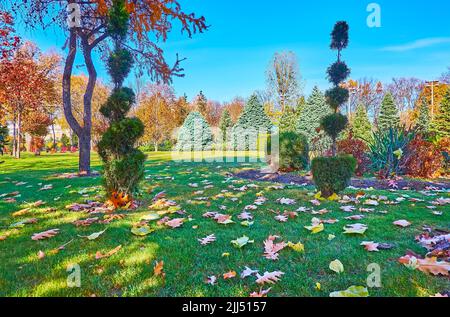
336,266
229,275
316,226
94,235
241,242
270,278
271,248
248,272
175,223
158,269
141,230
427,265
45,235
207,240
261,293
356,228
352,291
402,223
99,255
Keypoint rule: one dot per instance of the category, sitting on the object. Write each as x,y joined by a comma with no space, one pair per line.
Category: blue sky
231,58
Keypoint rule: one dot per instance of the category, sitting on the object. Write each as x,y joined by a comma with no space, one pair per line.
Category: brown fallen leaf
370,246
85,222
175,223
45,234
402,223
158,269
427,265
229,275
21,212
99,255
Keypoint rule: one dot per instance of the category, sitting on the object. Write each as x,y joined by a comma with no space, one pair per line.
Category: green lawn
187,264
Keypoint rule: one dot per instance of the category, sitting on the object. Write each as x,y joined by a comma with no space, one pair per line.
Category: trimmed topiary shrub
332,174
123,164
195,134
294,152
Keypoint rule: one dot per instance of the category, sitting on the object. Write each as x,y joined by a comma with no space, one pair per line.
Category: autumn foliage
358,149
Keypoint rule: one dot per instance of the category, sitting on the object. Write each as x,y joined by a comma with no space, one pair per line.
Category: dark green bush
293,151
336,97
332,174
338,72
333,124
118,104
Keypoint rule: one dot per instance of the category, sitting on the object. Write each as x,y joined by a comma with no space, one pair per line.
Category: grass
186,263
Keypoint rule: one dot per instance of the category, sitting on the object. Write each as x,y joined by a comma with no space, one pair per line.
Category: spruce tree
123,164
441,123
310,118
289,119
225,124
201,104
423,120
389,116
195,134
361,127
252,120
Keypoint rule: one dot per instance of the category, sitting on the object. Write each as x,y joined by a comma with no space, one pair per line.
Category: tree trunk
14,144
84,143
156,146
19,124
54,135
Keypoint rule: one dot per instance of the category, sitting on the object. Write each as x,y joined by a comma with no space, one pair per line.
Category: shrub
293,151
333,124
332,174
425,159
387,149
358,149
195,134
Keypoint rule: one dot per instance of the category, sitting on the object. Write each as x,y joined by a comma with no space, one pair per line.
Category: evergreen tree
389,116
289,119
252,121
423,120
3,138
361,127
441,123
123,164
310,118
195,134
225,124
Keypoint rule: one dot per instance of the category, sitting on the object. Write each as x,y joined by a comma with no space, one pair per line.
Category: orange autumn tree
26,85
150,23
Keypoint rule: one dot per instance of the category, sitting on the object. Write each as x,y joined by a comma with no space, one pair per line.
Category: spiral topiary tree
123,164
332,174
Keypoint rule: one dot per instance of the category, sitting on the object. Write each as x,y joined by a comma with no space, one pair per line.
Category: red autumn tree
150,22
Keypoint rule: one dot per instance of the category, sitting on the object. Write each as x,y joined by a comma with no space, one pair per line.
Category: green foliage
225,124
310,119
336,96
65,140
123,164
195,134
423,120
441,123
289,119
361,128
294,152
118,19
338,72
389,116
386,150
118,104
333,124
119,65
3,138
332,174
339,36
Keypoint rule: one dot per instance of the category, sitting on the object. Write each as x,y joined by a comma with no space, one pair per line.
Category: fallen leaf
427,265
45,234
99,255
142,231
271,249
242,241
352,291
270,278
175,223
93,236
402,223
207,240
357,228
248,272
336,266
229,275
158,269
370,246
260,293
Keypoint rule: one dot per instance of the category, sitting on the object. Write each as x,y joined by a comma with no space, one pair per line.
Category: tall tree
283,79
338,72
235,108
3,138
289,119
441,123
195,134
309,121
225,124
361,127
423,119
389,116
406,92
201,104
123,164
9,42
150,22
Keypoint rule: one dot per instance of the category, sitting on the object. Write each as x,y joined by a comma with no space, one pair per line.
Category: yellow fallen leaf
298,247
337,266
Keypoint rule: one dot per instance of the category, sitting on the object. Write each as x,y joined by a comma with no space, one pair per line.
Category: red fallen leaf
175,223
370,246
45,234
99,255
85,222
271,249
229,275
427,265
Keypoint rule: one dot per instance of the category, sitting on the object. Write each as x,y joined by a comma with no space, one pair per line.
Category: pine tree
389,116
441,123
123,164
225,124
289,119
253,120
195,134
361,127
423,120
310,118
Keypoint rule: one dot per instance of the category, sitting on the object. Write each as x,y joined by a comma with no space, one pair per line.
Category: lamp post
431,84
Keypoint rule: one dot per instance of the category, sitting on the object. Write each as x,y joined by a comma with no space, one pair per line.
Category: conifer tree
423,120
289,119
441,123
225,124
389,116
123,164
201,104
361,127
195,134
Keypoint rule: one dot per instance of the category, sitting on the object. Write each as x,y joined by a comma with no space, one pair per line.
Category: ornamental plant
332,174
123,164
